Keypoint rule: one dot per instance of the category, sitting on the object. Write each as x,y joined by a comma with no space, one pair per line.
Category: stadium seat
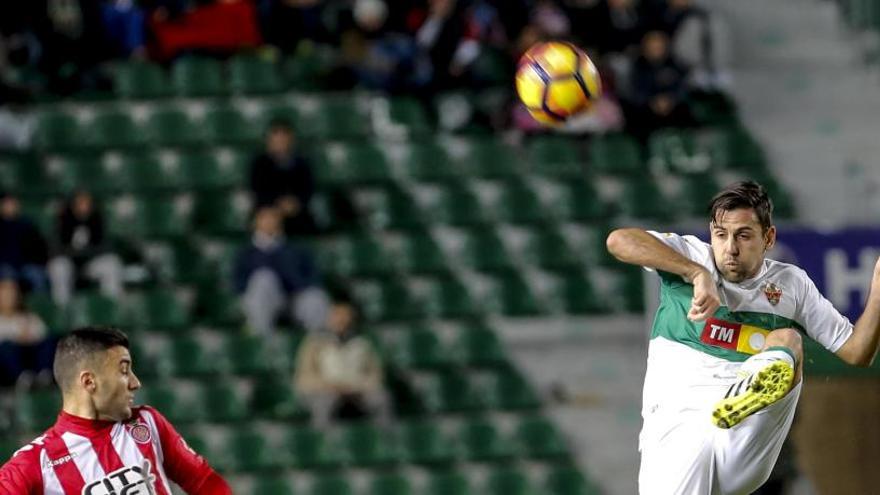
446,296
448,483
332,117
430,161
172,126
157,309
616,154
251,450
482,442
222,213
510,391
306,70
514,295
458,204
390,484
52,315
519,203
196,76
43,214
176,406
331,484
273,398
568,480
390,207
478,345
250,75
548,248
140,80
25,174
452,391
147,172
226,124
367,445
421,253
577,294
84,170
696,194
215,168
91,308
188,357
388,300
484,250
509,481
490,158
424,443
579,200
273,485
421,348
58,130
309,449
113,128
360,255
538,438
37,410
248,354
156,217
341,163
218,306
555,156
641,198
223,402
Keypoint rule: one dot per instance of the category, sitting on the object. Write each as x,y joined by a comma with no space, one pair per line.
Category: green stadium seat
78,170
519,203
425,444
568,480
578,200
448,297
458,204
157,309
409,113
390,484
217,168
222,213
488,157
331,484
58,130
188,357
53,316
178,407
712,108
147,172
178,260
252,450
430,161
307,69
391,207
25,174
37,410
195,76
140,80
367,445
555,156
360,255
485,251
223,402
421,253
340,163
548,248
510,391
388,300
226,124
578,295
509,481
641,198
538,438
91,308
514,295
616,154
172,126
452,391
249,74
309,449
478,345
421,348
448,483
482,442
332,117
155,217
145,362
273,398
696,194
733,148
249,355
43,214
8,446
218,306
273,485
113,128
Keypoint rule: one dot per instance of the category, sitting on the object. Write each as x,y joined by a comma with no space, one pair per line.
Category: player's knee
786,337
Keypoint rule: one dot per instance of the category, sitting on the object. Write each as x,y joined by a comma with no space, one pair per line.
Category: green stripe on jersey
671,321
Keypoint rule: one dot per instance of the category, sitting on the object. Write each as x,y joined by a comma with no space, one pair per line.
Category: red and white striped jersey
79,456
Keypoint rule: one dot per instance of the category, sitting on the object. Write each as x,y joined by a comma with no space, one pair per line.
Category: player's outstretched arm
637,247
861,348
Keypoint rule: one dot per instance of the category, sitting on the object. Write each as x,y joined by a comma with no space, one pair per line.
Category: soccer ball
557,80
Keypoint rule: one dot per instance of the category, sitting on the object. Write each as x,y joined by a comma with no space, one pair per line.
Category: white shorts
684,453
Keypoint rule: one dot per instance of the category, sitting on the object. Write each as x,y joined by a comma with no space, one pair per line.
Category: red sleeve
21,475
186,468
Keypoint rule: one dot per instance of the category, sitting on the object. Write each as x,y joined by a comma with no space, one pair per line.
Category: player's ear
87,381
770,238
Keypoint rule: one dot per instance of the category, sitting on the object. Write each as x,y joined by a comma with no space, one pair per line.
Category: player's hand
706,299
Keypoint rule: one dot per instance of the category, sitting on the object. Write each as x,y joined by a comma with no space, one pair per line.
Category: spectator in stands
287,22
273,275
82,252
281,177
25,350
23,249
338,371
611,26
124,25
221,27
657,88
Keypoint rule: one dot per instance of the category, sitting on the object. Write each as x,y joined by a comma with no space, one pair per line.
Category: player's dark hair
82,344
744,194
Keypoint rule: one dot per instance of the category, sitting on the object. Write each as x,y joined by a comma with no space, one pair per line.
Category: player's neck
79,409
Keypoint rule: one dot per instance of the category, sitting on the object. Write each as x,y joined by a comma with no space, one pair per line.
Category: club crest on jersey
130,480
140,433
773,293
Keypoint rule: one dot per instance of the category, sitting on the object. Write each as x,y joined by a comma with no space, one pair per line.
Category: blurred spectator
23,249
25,351
658,88
339,372
611,26
82,252
287,22
273,275
124,25
282,177
668,15
216,27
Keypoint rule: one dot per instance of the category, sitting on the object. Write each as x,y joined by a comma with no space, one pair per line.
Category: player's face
116,384
739,243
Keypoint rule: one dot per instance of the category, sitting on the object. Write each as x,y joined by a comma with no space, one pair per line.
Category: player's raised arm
638,247
861,348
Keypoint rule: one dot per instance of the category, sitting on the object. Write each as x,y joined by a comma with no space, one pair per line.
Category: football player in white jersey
725,357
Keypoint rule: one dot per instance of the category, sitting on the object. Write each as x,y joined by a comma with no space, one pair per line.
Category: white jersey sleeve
820,318
689,246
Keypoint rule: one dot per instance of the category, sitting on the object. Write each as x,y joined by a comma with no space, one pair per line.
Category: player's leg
745,454
764,379
677,454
